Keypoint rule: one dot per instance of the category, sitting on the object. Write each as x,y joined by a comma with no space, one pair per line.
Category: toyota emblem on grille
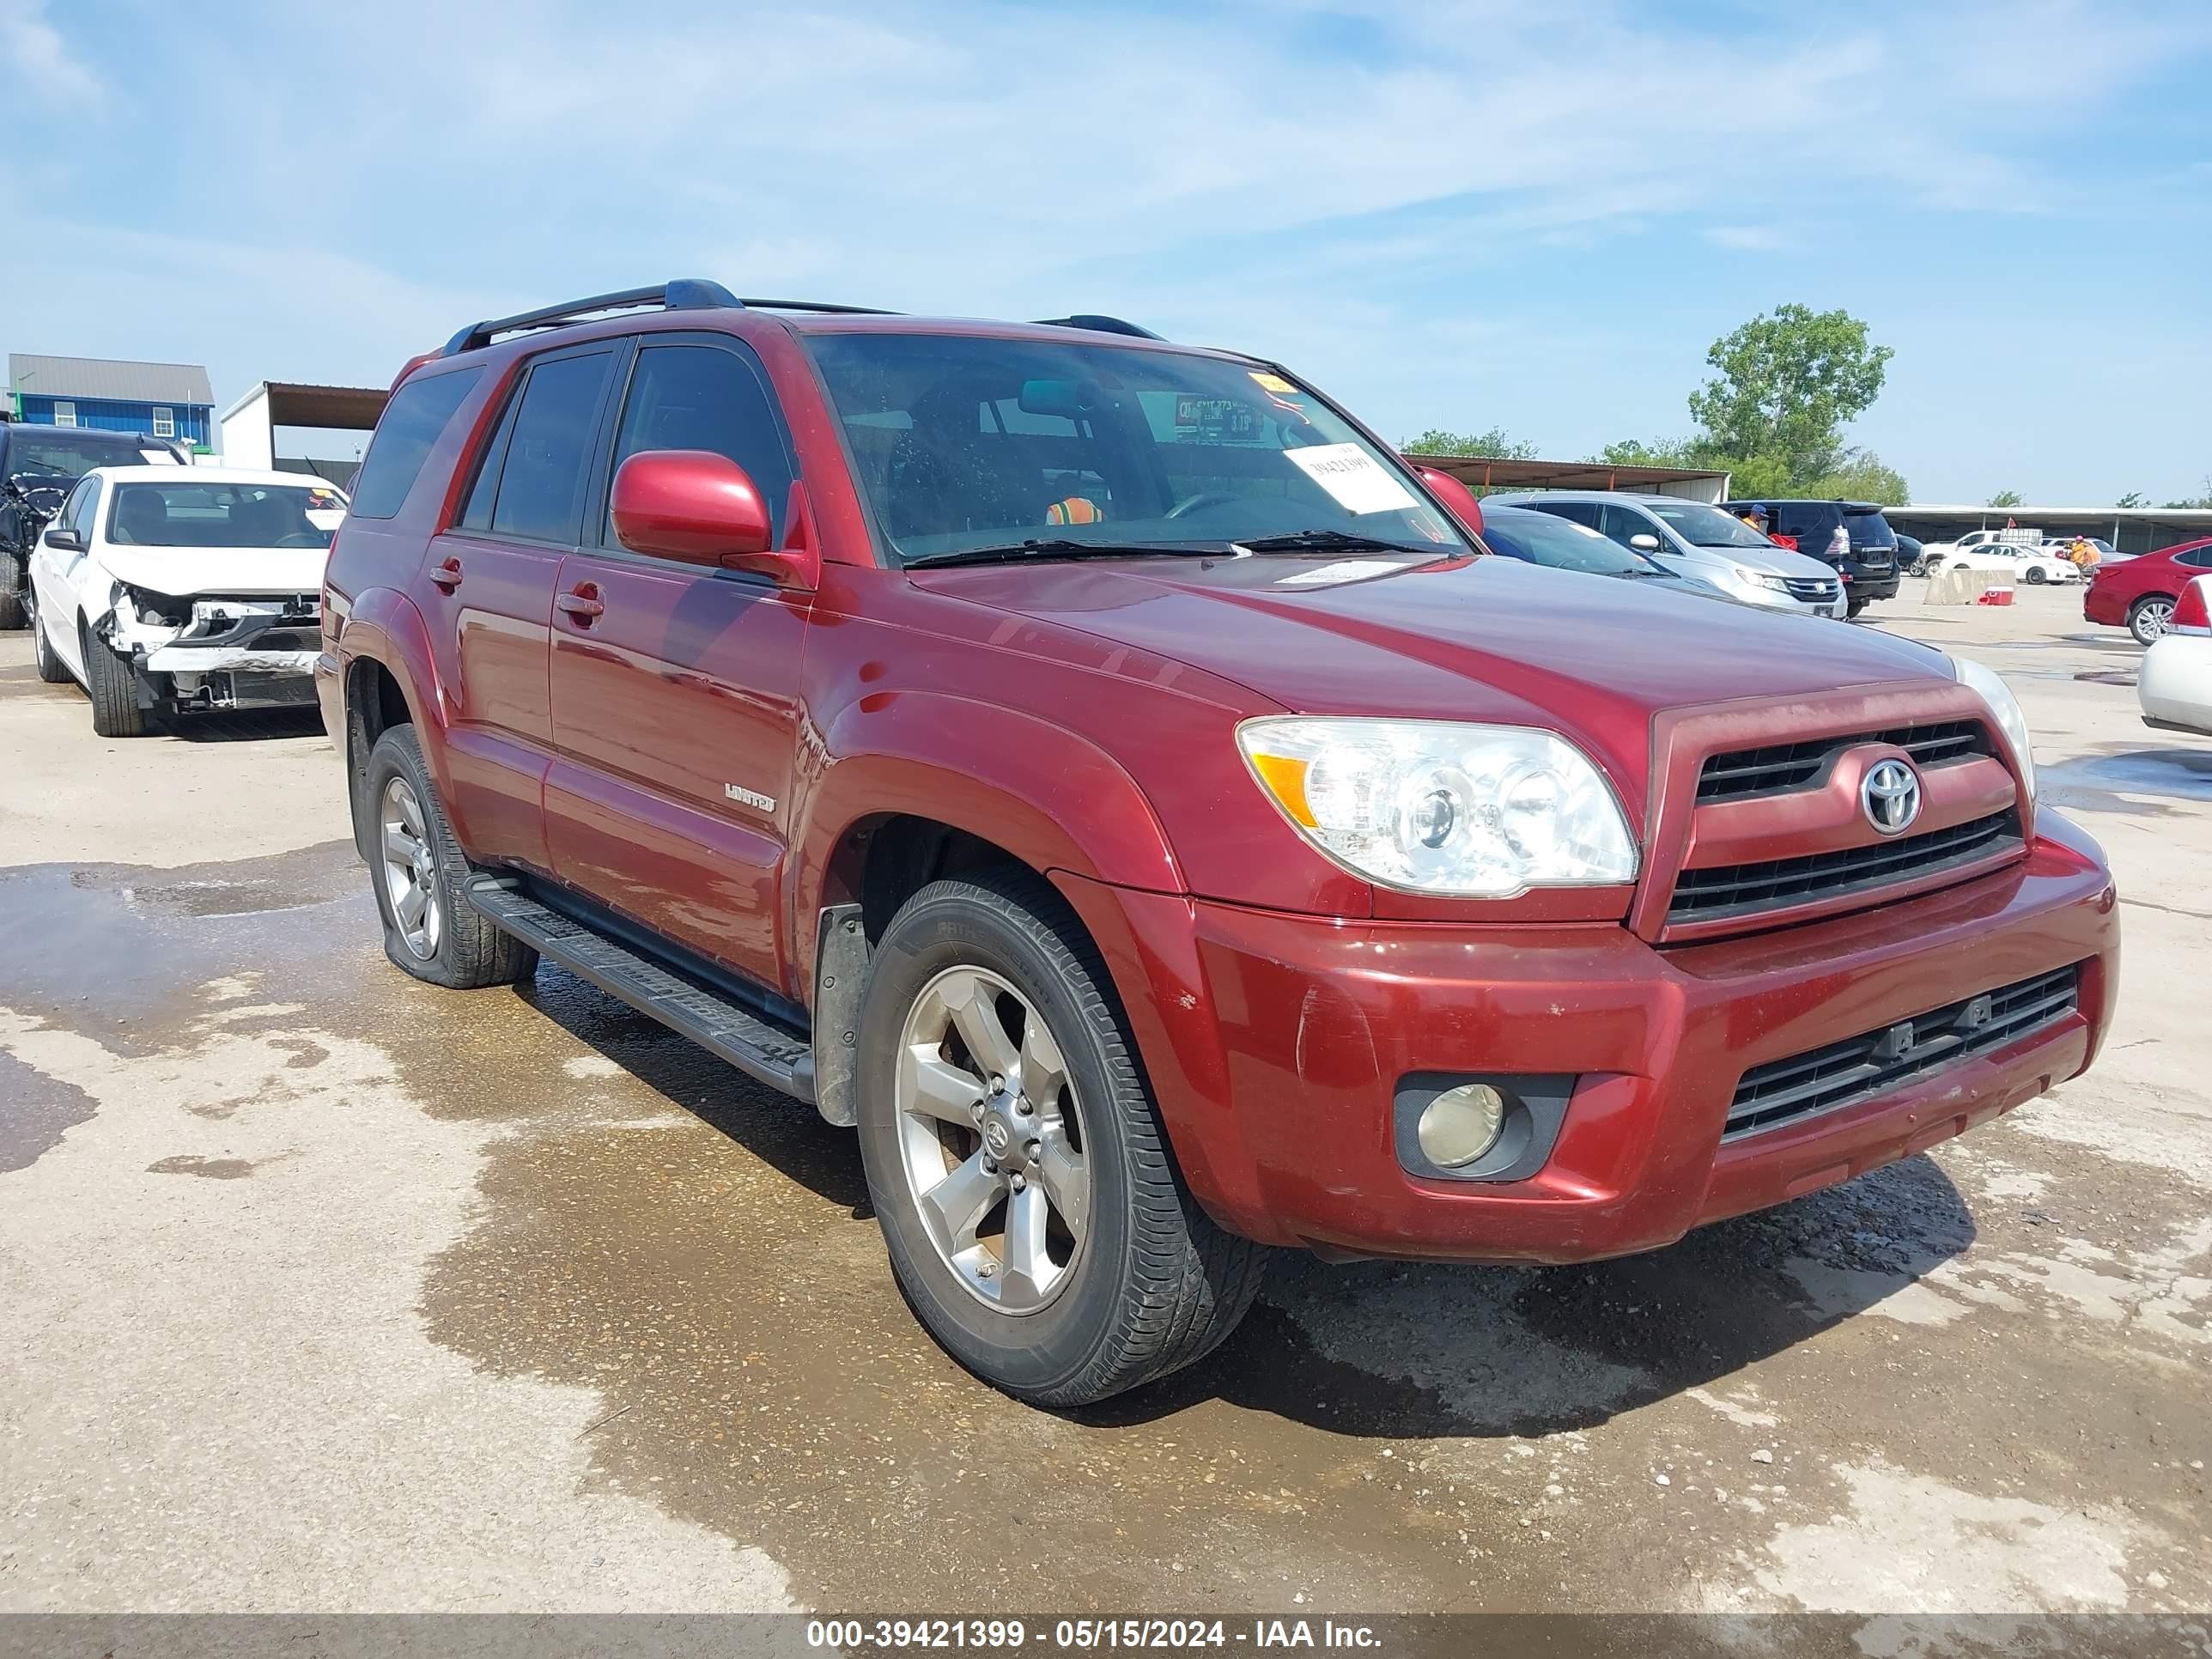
1891,796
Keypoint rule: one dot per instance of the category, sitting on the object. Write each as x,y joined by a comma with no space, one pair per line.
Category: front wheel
12,612
1034,1217
2034,576
2150,618
112,683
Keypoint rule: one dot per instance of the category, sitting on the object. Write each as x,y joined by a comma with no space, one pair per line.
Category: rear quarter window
409,428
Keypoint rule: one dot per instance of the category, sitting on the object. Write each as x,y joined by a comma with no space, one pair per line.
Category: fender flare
382,626
1049,796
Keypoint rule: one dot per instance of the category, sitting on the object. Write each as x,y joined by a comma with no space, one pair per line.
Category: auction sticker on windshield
1356,480
1345,570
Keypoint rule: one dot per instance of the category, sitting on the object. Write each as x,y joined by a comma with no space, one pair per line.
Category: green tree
2199,501
1786,384
2133,498
2007,498
1493,445
1660,451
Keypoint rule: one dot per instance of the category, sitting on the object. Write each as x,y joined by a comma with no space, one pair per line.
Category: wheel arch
961,781
387,677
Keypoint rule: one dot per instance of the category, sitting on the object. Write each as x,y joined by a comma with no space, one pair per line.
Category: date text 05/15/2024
1085,1635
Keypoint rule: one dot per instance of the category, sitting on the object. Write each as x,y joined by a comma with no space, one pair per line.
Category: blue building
169,400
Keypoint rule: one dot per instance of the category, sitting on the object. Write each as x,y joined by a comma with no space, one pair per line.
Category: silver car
1701,542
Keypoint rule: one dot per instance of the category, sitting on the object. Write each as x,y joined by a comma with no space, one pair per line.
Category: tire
450,943
13,616
51,669
2149,617
2034,576
111,682
1852,607
1149,1284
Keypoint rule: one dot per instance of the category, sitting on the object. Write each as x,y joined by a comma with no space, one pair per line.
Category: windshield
964,442
192,515
1541,538
46,455
1707,527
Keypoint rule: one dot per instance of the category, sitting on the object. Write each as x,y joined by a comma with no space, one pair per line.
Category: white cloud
40,70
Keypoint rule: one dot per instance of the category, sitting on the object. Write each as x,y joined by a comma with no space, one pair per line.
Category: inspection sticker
1272,382
1356,480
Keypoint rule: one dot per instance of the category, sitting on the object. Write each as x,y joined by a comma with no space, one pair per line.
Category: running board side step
781,1059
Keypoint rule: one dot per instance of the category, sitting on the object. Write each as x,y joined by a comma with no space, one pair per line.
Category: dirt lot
321,1289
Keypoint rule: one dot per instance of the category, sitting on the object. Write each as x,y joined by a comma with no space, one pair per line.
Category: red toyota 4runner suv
1114,781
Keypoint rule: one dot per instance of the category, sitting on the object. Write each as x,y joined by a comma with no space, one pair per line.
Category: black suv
39,467
1865,555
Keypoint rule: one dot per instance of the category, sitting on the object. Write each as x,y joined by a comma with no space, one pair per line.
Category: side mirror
1644,543
66,541
1459,501
697,507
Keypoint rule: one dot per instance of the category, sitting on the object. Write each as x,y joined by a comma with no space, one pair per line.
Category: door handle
580,604
446,576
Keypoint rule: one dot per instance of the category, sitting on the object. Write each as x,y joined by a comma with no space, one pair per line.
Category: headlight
1994,691
1762,579
1436,806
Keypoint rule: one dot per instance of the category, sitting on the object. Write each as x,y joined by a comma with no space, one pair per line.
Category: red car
1107,777
2139,594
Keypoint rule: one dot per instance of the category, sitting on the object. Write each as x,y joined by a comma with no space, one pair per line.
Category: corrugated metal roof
104,377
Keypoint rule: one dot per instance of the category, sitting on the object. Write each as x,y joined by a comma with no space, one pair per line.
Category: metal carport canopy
249,425
1492,472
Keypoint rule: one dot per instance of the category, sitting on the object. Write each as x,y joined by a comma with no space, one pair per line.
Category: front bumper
1275,1043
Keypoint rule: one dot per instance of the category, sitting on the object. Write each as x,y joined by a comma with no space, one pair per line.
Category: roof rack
1098,325
828,306
683,294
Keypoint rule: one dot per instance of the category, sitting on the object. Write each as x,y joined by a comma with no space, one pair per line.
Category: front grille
1872,1063
1727,891
1812,588
1779,767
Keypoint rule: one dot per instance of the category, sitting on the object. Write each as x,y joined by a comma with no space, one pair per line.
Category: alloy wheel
410,871
990,1140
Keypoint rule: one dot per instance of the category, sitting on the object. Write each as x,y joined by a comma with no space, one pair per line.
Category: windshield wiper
1062,547
1300,541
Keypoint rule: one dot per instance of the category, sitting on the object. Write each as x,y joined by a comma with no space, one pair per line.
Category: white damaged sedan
163,590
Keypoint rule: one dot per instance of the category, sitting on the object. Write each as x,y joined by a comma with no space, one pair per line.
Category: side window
541,480
1622,522
1582,512
2200,560
76,512
701,396
411,424
476,515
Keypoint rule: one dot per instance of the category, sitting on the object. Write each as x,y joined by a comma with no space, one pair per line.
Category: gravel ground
321,1290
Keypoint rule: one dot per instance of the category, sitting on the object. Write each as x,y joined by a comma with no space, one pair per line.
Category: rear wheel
51,669
1033,1213
419,870
111,682
2150,617
1855,607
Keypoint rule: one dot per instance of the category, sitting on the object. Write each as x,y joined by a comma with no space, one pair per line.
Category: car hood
1486,638
183,572
1775,561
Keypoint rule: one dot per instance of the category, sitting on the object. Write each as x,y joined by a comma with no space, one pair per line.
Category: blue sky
1453,214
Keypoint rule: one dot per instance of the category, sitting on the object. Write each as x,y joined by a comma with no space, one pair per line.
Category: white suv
1701,542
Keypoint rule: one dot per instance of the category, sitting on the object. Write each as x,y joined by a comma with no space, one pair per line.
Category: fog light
1460,1125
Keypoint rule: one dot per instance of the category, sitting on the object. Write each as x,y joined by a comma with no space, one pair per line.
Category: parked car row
1104,775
